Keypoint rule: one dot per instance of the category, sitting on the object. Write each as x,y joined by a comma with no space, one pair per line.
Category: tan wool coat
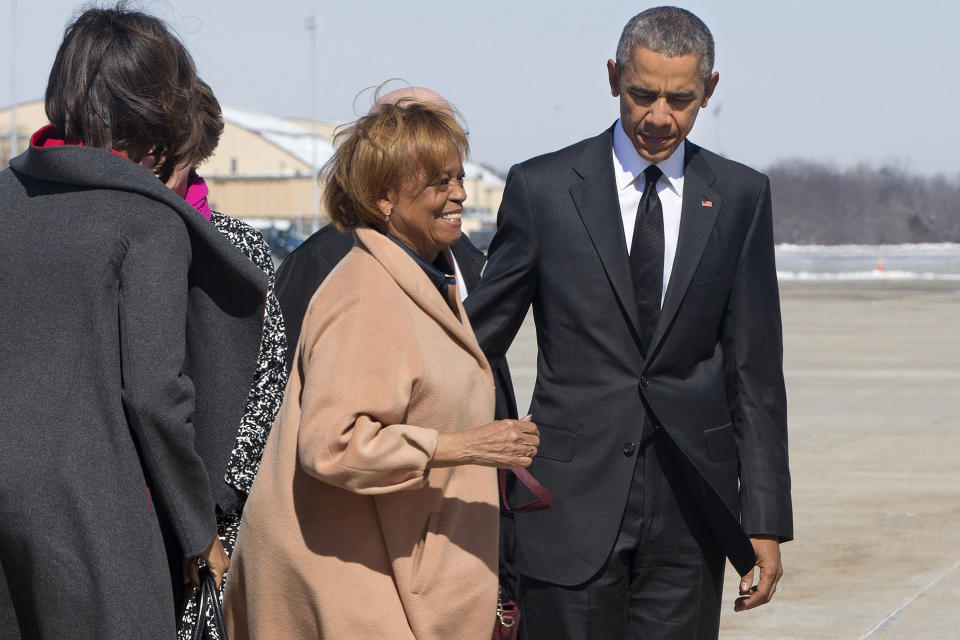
347,533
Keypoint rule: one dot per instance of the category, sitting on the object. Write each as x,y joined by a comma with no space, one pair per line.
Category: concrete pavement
873,381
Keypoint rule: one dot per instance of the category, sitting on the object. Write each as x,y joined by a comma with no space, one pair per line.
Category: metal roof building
263,165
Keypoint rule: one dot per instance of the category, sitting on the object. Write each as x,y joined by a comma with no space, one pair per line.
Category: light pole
313,26
13,79
716,120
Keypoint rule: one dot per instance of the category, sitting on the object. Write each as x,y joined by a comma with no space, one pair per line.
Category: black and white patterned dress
264,399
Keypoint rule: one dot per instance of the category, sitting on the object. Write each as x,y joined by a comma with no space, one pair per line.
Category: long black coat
711,382
129,330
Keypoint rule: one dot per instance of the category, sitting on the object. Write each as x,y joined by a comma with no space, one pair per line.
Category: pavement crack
893,614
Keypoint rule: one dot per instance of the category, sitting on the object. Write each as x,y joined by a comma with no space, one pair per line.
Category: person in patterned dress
266,392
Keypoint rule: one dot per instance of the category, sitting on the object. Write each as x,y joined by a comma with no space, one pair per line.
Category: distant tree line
818,204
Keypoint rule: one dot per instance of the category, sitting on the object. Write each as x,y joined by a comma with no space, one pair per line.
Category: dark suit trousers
663,579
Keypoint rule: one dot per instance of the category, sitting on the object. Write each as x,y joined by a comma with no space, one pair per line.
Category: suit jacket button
629,448
644,382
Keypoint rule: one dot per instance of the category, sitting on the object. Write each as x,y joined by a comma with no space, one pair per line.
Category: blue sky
840,82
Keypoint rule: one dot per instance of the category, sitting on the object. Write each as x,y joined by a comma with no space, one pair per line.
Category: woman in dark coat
266,393
129,329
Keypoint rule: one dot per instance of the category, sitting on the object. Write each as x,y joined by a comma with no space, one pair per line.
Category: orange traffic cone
879,268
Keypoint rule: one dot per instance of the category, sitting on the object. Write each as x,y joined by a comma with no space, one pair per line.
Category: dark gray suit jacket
712,382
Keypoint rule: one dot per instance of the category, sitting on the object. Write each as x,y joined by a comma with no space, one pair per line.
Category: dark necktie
646,255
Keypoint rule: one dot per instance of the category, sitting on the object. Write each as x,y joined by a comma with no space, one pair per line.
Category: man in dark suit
660,398
301,272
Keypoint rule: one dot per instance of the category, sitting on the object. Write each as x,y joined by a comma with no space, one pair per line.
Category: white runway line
893,614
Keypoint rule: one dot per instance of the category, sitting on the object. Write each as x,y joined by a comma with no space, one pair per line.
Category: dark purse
507,625
210,612
508,618
544,500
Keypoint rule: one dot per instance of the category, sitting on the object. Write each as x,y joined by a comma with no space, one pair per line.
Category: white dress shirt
461,285
628,169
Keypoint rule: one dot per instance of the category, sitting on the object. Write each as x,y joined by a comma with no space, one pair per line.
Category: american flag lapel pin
706,203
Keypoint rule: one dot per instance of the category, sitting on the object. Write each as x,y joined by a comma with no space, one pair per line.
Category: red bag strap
545,499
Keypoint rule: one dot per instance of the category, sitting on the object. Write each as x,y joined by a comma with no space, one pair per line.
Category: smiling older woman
375,511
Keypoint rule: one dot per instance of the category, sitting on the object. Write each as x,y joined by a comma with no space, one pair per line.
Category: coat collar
595,197
97,168
628,164
415,283
225,298
470,260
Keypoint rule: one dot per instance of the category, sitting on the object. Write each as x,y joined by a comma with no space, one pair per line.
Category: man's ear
613,75
710,86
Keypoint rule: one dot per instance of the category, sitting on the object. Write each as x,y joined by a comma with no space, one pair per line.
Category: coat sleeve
499,303
269,381
753,359
157,396
361,370
299,276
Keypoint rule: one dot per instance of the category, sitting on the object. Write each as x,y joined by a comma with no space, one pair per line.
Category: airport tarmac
873,385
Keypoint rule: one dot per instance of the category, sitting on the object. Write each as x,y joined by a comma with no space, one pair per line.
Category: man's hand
767,549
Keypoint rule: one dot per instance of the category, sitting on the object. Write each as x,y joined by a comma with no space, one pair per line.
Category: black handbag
210,612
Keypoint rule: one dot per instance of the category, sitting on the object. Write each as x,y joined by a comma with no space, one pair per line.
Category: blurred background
847,106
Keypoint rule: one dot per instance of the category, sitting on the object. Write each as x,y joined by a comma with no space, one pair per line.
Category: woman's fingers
190,573
523,438
502,443
217,560
529,434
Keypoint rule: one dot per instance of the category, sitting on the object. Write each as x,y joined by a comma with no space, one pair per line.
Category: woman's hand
215,557
502,444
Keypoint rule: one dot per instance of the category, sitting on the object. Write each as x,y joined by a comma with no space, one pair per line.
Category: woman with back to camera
375,512
118,303
266,393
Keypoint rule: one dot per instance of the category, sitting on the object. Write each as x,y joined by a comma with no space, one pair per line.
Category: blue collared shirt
439,279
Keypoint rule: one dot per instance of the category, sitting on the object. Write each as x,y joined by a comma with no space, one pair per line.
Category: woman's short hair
209,119
122,81
407,140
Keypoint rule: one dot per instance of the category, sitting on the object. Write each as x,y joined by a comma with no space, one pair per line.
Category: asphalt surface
873,381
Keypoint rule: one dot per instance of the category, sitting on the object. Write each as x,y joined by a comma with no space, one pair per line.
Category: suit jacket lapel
470,263
97,168
696,223
595,198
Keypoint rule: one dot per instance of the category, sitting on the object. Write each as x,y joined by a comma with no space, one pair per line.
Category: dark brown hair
404,141
208,118
122,81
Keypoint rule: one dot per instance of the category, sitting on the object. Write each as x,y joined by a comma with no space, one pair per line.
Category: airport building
263,169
